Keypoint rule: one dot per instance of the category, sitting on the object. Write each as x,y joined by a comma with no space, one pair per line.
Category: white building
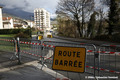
8,23
41,18
1,22
31,23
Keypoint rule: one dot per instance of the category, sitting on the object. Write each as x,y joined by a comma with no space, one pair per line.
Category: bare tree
77,10
102,15
66,27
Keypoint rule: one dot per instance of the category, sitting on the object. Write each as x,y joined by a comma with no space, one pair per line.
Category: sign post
69,59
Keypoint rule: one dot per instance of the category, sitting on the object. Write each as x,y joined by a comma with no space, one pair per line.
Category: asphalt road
10,70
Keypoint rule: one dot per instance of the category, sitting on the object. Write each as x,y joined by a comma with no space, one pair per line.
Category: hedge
14,31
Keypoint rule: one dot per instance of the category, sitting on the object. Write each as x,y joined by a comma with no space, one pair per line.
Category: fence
90,56
7,44
109,60
100,60
30,48
10,45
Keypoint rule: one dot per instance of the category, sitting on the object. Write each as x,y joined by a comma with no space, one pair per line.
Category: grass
34,32
11,48
7,48
7,35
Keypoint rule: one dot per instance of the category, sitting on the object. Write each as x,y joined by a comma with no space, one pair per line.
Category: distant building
1,22
41,18
8,23
30,23
19,23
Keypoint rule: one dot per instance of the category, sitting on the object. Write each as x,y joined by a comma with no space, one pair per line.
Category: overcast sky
30,5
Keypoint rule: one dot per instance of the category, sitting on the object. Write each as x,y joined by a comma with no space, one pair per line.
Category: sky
30,5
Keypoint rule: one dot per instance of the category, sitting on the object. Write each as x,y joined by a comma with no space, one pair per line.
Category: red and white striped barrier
48,46
86,66
36,55
30,43
108,52
104,52
103,69
51,46
7,40
37,44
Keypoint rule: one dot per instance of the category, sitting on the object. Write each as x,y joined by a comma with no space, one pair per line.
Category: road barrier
109,60
7,44
100,60
28,46
12,46
90,56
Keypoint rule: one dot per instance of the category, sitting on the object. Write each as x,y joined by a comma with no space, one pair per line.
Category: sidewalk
10,70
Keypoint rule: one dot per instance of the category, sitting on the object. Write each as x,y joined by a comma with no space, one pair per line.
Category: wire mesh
109,60
7,44
90,58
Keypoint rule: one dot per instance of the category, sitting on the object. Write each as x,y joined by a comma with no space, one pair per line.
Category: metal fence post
18,48
94,58
15,50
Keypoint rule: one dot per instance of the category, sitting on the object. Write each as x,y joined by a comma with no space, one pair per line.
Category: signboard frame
69,70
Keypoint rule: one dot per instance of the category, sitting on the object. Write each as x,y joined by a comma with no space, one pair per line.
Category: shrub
14,31
22,35
112,38
116,37
103,37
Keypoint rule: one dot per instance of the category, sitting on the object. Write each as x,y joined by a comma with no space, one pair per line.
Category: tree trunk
78,26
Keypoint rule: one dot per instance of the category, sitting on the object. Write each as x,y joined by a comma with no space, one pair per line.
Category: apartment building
1,22
41,18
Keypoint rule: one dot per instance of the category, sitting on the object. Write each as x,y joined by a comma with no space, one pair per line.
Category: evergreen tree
91,25
114,17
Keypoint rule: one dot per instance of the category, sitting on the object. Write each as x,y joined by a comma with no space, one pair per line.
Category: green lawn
7,48
7,35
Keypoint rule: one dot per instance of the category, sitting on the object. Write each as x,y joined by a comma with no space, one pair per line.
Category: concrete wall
7,26
1,22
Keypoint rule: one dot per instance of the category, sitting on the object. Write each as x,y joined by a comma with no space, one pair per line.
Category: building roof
7,18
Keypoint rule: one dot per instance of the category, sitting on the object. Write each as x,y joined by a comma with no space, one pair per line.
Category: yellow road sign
69,59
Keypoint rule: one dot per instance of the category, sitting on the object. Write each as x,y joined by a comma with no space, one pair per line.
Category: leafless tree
78,10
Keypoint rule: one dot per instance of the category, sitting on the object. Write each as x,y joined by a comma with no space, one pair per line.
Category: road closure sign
69,59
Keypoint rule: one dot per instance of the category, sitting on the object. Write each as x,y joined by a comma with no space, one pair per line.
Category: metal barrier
30,48
10,45
109,60
104,62
7,44
90,56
